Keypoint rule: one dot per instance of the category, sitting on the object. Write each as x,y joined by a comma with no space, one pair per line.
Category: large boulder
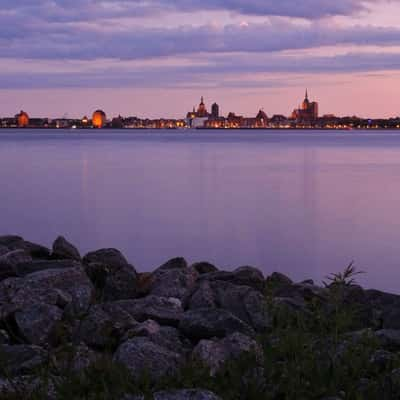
243,276
104,326
143,357
165,336
174,263
173,279
3,250
31,267
186,394
165,311
21,359
112,274
36,322
206,323
15,257
18,243
214,354
386,308
244,302
67,288
204,267
62,249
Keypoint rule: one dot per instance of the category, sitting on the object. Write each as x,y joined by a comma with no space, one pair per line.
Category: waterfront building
197,119
22,119
99,119
215,110
307,112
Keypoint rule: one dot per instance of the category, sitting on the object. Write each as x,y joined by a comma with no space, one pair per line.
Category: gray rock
277,279
386,308
104,326
204,267
36,322
3,250
207,323
18,243
244,302
62,249
112,274
389,338
214,354
21,359
15,257
142,357
52,287
27,268
175,263
74,358
383,360
187,394
243,276
173,282
4,337
162,310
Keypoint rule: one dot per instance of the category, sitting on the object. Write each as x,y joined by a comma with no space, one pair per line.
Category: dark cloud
63,10
227,71
65,42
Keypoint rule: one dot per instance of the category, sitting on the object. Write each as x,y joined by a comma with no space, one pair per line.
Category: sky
156,58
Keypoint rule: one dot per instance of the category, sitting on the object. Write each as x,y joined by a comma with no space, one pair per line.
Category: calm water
305,203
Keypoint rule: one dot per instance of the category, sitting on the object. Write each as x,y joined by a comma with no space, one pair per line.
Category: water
304,203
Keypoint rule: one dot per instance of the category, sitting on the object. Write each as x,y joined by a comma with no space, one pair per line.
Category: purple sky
154,58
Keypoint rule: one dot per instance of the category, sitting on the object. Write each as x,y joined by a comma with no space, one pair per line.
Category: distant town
306,116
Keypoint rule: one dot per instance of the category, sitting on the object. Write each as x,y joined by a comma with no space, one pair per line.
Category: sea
305,203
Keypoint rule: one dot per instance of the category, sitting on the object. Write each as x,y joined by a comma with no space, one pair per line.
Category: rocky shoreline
93,327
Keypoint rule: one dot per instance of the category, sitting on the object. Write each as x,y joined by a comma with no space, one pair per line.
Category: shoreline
184,332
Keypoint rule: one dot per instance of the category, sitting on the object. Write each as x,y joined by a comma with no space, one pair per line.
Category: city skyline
63,58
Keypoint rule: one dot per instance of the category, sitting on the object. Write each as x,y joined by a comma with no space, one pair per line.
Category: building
197,119
99,119
307,112
22,119
215,111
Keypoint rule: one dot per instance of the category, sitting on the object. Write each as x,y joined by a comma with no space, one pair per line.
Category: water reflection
306,204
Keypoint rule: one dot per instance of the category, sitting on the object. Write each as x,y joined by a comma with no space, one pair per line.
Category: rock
175,263
173,282
18,243
142,357
214,354
112,274
204,268
386,308
187,394
74,358
207,323
162,310
36,322
243,276
389,338
62,249
15,257
383,360
244,302
277,280
4,337
52,287
27,268
164,336
21,359
3,250
104,326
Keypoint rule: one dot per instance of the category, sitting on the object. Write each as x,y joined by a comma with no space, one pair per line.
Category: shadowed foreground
95,328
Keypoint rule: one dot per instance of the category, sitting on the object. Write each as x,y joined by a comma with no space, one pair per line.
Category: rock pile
150,323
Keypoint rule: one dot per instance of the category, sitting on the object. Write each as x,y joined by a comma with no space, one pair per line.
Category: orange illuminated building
99,119
22,119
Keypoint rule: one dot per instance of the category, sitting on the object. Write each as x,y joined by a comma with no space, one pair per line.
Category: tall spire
202,100
306,94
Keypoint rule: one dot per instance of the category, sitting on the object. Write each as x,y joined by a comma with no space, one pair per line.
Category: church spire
306,94
202,100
